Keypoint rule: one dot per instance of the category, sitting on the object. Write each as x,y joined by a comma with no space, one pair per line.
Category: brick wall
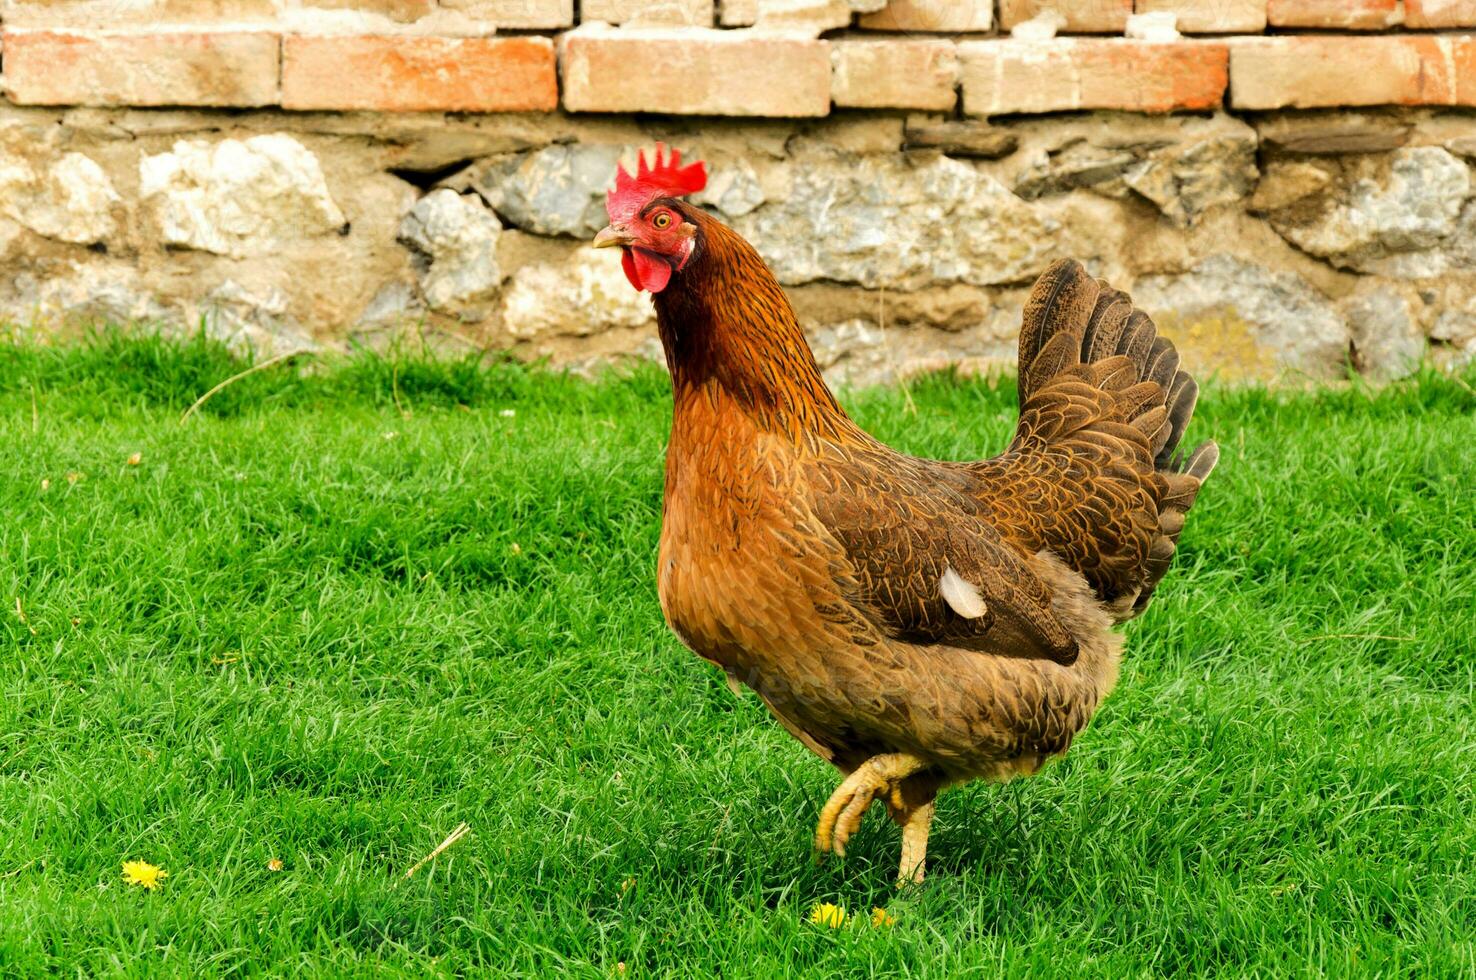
781,58
1287,186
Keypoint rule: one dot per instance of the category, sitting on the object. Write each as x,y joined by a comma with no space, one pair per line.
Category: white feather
962,597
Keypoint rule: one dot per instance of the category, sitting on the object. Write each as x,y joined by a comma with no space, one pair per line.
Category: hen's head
656,235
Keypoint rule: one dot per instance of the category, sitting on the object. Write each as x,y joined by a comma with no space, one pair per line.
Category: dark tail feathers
1080,326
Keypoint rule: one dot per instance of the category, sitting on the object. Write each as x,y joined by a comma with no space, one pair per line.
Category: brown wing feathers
1096,377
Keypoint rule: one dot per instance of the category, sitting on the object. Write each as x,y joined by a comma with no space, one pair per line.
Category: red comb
666,178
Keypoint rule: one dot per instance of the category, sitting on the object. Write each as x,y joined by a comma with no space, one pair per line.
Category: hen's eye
662,220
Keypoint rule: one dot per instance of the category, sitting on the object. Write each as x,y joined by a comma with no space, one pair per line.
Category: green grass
342,611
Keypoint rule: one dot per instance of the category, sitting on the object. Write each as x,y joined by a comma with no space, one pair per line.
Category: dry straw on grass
462,829
269,362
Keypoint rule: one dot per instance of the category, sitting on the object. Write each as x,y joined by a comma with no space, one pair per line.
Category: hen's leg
915,825
879,777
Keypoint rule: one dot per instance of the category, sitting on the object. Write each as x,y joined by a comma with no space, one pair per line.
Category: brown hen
916,623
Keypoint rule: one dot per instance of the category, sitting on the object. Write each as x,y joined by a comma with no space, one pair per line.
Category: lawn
343,610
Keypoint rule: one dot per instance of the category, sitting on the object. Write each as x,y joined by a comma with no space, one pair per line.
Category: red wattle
628,264
645,271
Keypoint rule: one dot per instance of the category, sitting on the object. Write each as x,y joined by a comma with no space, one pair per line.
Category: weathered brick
1009,76
1463,64
738,13
688,13
943,16
804,18
1353,15
473,18
430,16
692,71
226,69
455,17
406,74
111,15
894,74
1212,16
1305,72
1081,16
396,11
1439,13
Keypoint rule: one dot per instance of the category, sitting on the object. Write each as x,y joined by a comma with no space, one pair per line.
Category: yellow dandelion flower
880,918
827,914
143,874
275,864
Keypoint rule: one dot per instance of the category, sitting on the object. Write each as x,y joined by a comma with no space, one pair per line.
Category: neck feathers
725,321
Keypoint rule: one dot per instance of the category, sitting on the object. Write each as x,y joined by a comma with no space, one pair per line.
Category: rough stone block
1312,71
240,198
687,13
457,236
691,71
1211,16
1352,15
894,74
1397,215
226,69
1424,14
1334,131
1080,16
399,74
1386,336
886,221
1247,319
960,138
71,201
943,16
1010,76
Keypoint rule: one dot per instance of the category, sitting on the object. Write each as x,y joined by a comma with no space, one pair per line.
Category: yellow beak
612,236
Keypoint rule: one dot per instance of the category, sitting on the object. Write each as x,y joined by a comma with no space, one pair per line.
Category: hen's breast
739,578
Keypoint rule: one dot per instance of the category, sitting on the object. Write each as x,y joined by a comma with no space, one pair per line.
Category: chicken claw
879,777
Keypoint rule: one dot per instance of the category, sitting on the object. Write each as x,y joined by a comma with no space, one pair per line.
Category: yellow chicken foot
915,828
877,778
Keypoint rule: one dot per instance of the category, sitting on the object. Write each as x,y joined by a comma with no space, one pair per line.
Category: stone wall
301,172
